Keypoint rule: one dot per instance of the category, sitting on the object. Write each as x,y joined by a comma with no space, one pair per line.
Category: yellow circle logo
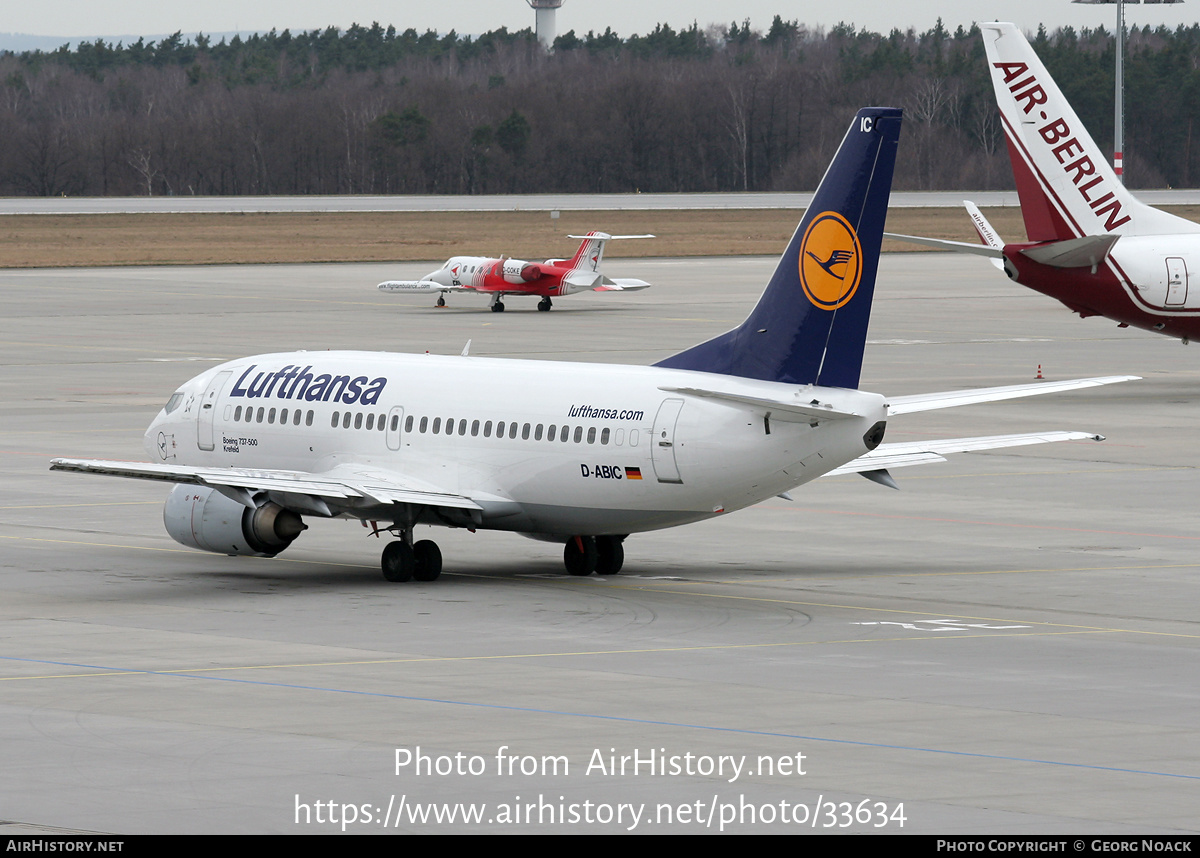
830,261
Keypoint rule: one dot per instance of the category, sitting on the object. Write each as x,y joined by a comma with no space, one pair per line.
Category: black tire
398,562
498,307
610,555
544,305
441,302
428,560
580,555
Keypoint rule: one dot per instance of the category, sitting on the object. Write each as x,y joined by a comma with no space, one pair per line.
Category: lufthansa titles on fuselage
588,412
292,382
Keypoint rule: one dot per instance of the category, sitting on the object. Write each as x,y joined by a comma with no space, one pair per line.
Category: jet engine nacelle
203,518
520,271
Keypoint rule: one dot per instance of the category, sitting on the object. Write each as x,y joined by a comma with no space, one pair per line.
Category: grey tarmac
1008,645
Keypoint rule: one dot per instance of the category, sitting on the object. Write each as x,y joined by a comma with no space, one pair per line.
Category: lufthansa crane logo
830,261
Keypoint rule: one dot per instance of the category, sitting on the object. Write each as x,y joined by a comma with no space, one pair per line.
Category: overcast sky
73,18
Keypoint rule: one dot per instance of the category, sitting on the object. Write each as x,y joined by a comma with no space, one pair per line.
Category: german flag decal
633,473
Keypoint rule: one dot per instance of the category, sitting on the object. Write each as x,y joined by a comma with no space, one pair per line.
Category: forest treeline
373,110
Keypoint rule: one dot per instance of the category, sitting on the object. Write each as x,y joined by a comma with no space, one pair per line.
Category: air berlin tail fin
1066,185
810,324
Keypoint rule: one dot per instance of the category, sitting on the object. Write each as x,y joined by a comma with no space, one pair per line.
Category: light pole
544,19
1119,125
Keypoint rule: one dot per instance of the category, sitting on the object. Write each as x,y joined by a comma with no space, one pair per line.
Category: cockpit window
173,402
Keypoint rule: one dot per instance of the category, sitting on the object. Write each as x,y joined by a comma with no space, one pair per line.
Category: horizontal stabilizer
955,398
784,410
1086,252
906,453
946,244
606,237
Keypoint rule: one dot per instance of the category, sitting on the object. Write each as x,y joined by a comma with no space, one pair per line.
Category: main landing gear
403,561
497,302
603,555
544,305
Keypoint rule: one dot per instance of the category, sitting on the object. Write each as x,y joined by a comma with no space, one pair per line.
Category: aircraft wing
621,285
419,286
341,489
906,453
954,398
584,279
946,244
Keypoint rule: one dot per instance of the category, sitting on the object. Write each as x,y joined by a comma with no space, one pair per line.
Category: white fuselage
1158,269
695,457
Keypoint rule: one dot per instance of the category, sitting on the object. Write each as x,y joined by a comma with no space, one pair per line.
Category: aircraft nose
151,443
440,277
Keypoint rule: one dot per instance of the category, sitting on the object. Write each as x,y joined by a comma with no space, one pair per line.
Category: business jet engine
520,271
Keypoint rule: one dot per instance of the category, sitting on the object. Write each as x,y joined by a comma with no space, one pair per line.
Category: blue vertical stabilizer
810,325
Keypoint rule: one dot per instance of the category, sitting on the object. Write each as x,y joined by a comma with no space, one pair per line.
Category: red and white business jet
500,277
1091,244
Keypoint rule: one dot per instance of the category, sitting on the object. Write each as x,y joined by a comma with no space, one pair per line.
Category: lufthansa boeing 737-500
581,454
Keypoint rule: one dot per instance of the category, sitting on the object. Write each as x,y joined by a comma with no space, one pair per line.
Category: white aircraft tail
1067,187
591,251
